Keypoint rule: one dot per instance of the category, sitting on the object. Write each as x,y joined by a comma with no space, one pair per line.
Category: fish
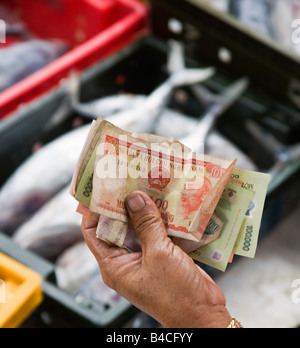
175,124
94,293
75,266
255,14
282,18
221,5
25,58
216,106
54,228
109,105
77,272
36,181
39,178
271,18
105,107
295,24
191,131
268,17
143,115
144,111
282,155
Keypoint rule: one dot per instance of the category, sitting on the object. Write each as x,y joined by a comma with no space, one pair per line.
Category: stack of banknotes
210,209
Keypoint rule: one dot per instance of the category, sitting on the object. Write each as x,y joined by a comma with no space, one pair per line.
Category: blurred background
66,62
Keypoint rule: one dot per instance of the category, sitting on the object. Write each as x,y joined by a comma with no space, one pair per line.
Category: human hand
162,280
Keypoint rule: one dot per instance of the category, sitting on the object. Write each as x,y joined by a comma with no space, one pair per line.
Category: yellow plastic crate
20,292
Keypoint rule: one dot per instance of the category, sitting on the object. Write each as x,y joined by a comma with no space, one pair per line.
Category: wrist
204,316
214,317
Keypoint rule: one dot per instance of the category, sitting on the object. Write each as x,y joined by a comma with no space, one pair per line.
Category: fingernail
135,203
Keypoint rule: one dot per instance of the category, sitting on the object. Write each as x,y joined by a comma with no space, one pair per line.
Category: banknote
212,216
118,233
83,176
246,243
123,235
185,187
217,254
82,183
231,209
84,157
212,233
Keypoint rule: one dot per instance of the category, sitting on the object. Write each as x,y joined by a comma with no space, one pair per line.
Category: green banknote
246,243
82,183
231,209
85,186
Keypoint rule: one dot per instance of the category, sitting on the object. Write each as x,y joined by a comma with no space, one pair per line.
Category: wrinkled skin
162,280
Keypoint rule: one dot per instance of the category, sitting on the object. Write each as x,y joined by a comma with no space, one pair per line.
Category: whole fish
43,175
256,14
25,58
55,227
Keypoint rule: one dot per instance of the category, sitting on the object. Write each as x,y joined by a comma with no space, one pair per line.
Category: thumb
145,218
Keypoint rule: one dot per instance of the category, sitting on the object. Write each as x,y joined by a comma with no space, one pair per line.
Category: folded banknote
204,201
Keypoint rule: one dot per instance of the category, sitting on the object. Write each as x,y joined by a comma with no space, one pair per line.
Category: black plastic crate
142,67
59,308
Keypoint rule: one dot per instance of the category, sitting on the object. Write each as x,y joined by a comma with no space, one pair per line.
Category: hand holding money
185,298
203,201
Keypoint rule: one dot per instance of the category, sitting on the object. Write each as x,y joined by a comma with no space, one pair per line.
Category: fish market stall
227,96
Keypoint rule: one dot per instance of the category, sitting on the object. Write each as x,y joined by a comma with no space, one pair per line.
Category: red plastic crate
94,30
